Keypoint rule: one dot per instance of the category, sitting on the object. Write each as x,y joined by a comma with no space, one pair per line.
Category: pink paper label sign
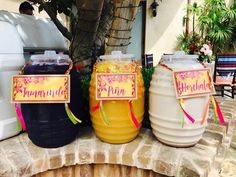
116,86
40,89
193,83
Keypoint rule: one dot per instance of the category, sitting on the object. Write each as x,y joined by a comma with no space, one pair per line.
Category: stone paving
228,165
225,161
213,156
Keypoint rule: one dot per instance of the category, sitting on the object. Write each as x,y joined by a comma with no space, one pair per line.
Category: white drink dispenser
11,60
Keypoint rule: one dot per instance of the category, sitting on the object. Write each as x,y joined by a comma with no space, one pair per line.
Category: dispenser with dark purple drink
48,124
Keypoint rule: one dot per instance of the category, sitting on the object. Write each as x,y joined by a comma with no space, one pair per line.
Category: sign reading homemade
41,89
116,86
192,83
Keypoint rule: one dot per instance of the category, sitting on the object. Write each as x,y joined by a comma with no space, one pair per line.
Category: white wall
162,30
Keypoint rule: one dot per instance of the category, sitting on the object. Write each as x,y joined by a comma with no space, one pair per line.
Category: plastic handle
116,52
50,52
1,96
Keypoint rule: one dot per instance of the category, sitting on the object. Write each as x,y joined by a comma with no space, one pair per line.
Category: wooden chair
224,74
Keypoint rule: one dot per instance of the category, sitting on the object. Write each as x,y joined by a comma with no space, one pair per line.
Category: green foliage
217,27
190,44
85,81
216,22
147,77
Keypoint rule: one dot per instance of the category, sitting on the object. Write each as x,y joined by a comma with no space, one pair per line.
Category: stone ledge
99,170
19,157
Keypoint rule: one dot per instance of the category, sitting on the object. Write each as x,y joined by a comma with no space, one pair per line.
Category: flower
196,45
205,53
206,50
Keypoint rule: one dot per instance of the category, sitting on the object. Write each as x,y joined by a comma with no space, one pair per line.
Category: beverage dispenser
11,60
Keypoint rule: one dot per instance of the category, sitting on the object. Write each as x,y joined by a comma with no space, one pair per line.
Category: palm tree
194,11
187,19
216,22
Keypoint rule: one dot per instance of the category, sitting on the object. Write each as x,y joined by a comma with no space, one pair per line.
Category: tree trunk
120,32
193,23
187,20
89,13
104,27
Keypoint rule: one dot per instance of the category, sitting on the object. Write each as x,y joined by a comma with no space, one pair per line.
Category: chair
224,74
148,60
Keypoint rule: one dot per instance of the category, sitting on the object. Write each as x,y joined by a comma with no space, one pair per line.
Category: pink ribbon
134,119
137,125
220,115
20,117
185,113
94,108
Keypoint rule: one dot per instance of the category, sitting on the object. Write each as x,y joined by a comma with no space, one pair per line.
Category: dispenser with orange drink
116,97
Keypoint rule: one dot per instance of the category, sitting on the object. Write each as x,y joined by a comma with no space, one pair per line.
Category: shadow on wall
161,31
35,32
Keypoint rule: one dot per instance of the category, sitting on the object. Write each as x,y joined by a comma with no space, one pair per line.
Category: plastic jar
47,124
164,107
121,128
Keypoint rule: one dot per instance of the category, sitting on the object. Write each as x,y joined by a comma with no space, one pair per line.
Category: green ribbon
215,117
71,116
181,118
19,127
104,114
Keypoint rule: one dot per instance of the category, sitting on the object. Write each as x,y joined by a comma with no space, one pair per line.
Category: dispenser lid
117,55
50,56
178,55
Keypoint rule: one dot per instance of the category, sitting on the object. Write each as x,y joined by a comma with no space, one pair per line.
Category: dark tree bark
89,13
92,23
